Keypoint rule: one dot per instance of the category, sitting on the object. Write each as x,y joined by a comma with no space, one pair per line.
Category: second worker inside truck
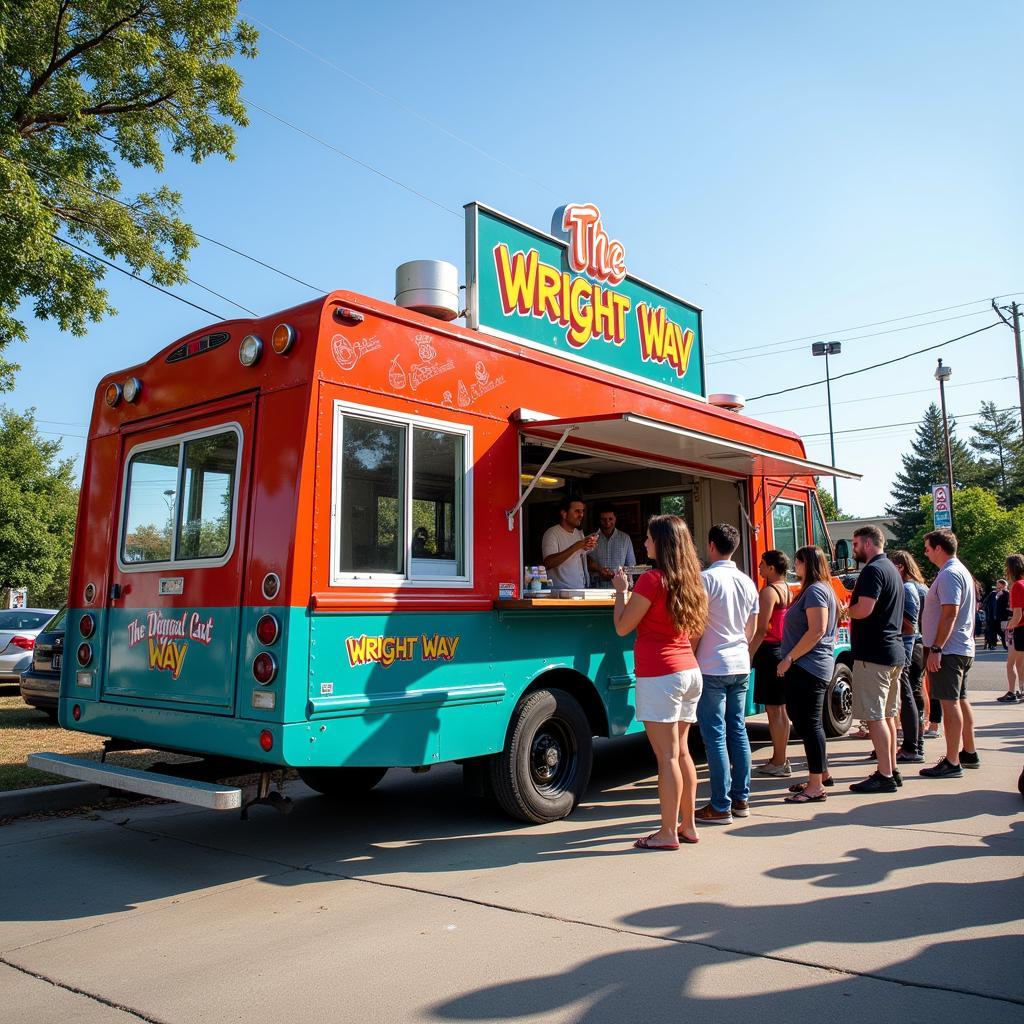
614,549
565,548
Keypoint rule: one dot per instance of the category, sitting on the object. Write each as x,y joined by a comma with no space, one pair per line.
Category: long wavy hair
815,564
676,557
905,560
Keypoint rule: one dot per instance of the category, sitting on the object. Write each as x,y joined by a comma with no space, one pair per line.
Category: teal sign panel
574,297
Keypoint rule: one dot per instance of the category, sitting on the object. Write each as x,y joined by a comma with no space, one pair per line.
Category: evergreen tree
923,466
997,442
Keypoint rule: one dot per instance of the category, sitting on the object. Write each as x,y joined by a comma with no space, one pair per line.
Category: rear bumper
40,691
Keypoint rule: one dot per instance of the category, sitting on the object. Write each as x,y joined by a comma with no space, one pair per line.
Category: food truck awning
629,434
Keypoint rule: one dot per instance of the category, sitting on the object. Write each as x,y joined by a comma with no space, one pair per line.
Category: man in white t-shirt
565,548
723,655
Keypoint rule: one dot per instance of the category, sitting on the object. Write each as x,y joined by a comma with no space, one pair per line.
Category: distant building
842,529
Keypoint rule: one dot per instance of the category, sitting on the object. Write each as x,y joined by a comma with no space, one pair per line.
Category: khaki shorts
950,682
876,691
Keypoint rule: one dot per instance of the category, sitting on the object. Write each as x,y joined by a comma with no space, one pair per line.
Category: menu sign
573,295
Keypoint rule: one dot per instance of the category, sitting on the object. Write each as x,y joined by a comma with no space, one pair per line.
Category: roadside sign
942,506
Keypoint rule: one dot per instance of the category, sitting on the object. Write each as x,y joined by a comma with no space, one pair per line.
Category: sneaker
875,783
740,809
779,771
931,734
969,760
707,815
943,770
908,757
897,777
1008,698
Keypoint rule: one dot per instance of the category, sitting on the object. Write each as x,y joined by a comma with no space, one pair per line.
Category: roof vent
430,287
733,403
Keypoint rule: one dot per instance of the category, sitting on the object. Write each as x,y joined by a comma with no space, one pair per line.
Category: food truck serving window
789,527
179,500
400,499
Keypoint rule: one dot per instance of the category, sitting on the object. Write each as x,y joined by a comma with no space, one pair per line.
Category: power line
355,160
874,366
401,104
908,423
141,280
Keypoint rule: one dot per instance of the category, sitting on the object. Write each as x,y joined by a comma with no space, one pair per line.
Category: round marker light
112,394
132,389
282,339
264,668
76,712
267,630
86,625
90,593
250,350
271,585
84,654
266,739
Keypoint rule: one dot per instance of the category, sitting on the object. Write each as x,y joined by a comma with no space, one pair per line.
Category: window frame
801,507
405,580
231,426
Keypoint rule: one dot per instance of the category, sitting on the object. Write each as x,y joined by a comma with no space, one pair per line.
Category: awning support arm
511,513
777,498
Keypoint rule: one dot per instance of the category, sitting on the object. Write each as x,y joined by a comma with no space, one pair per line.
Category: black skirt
768,687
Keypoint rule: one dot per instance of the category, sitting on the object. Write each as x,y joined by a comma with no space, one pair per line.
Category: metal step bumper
167,787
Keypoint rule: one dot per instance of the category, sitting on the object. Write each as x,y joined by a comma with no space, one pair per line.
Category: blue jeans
722,715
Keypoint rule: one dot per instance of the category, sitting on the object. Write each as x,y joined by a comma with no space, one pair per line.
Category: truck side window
789,527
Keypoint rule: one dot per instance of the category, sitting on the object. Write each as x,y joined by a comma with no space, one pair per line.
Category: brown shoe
709,815
740,809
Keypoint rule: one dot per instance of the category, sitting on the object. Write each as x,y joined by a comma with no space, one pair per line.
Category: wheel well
581,688
846,658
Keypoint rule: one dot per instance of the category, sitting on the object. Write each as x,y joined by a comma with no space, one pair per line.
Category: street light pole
942,374
826,349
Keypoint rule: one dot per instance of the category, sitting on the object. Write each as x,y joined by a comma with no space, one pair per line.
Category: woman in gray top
808,638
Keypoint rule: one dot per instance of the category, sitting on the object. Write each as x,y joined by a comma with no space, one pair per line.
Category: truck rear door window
401,500
179,500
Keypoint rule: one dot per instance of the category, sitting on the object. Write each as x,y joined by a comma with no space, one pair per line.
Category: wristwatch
936,650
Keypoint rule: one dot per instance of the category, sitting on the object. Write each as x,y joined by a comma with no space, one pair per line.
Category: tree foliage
38,504
923,466
831,510
85,86
997,443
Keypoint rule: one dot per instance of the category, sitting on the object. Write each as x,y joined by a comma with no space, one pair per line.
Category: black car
40,684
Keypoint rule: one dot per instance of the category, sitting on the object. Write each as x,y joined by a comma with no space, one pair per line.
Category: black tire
342,783
837,714
544,769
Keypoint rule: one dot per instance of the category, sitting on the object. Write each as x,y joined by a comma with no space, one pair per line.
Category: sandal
803,798
685,838
799,787
645,844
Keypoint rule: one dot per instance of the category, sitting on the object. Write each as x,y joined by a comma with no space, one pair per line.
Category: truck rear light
250,350
112,394
26,643
84,654
264,668
348,316
76,712
266,739
271,585
282,339
267,630
90,593
265,700
132,389
86,625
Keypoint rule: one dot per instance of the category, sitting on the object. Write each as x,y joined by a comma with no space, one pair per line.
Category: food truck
306,540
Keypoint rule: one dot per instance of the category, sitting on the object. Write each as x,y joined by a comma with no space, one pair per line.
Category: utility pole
942,374
1014,311
826,349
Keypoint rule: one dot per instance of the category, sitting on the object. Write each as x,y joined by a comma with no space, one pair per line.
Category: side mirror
842,550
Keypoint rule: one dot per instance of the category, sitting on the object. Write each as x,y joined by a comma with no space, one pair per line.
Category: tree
829,507
986,532
38,503
997,442
84,85
924,465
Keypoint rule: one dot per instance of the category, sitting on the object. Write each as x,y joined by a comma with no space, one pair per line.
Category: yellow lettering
604,313
517,278
581,315
652,331
550,284
356,646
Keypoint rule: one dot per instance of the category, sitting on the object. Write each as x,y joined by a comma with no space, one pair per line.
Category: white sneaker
779,771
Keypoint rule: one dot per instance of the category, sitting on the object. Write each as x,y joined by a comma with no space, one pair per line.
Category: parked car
19,628
40,682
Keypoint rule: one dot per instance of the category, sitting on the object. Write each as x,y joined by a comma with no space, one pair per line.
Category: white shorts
671,698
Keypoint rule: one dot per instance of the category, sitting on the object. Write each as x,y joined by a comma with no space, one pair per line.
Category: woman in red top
668,606
1015,628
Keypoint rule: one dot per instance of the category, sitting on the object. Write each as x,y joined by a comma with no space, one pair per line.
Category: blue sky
796,169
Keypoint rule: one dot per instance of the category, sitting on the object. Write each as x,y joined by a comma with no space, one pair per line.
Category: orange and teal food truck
305,540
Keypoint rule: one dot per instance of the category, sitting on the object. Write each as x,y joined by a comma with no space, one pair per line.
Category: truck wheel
341,783
545,767
837,714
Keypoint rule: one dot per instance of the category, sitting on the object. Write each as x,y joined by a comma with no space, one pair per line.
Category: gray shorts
950,682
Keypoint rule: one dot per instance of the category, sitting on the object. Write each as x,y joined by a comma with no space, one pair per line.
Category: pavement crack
74,989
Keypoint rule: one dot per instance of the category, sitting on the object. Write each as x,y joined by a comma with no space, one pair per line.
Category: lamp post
942,374
826,349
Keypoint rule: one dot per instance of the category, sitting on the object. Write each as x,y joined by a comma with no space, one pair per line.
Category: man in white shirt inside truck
565,548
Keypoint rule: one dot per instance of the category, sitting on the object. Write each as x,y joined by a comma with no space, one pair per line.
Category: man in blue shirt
613,548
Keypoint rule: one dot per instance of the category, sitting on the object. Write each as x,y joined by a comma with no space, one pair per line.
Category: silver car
19,628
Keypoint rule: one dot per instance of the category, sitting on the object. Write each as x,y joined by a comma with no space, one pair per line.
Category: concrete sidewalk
415,906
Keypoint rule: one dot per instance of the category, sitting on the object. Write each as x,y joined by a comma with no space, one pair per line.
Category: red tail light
86,625
76,712
84,654
266,739
267,630
26,643
264,668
